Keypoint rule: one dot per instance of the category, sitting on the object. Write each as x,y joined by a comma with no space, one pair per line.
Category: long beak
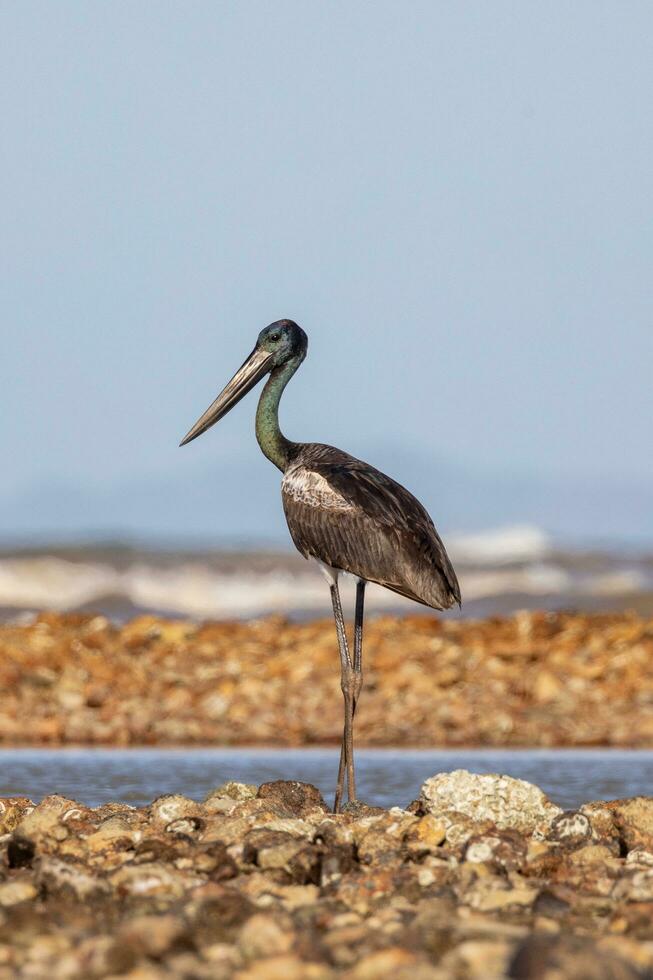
250,373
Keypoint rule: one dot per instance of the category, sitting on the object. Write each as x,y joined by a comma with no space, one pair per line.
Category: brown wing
353,517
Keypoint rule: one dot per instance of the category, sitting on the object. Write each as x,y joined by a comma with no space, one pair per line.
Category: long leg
358,669
347,685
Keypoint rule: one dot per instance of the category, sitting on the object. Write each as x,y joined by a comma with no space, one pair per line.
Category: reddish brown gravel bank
482,878
531,679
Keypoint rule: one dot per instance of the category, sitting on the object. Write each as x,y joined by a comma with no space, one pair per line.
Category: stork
343,513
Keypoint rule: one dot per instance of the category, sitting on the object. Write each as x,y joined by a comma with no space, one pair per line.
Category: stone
167,809
504,849
640,857
391,962
592,854
478,959
225,798
637,887
217,918
20,852
69,879
15,892
634,821
509,803
300,799
495,895
549,957
152,935
426,835
270,848
233,791
115,833
266,935
152,879
44,819
286,967
12,811
570,827
379,847
461,828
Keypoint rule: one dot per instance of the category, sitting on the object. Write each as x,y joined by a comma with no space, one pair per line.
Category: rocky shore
482,877
532,679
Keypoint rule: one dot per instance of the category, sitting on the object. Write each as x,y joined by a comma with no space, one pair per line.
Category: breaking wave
518,561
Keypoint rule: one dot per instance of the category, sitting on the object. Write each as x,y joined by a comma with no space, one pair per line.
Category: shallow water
386,777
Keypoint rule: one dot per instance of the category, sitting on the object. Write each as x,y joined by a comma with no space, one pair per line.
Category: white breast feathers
310,488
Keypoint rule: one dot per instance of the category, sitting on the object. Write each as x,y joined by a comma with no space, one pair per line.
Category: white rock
507,802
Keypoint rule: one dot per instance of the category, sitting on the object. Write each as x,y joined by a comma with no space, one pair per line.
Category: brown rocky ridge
531,679
482,877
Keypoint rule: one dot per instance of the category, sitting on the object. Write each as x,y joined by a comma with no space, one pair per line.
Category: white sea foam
502,545
512,561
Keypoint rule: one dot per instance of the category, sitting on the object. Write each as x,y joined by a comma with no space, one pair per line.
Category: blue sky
454,200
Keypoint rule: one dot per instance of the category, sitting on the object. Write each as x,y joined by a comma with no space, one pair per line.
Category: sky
453,199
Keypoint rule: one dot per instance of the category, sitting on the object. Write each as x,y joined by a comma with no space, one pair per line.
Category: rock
153,935
300,799
603,826
12,811
634,821
45,819
15,892
640,857
225,798
20,852
461,828
570,827
554,958
217,918
266,935
335,860
264,891
152,879
167,809
392,962
426,835
509,803
115,833
592,854
185,826
284,968
533,678
496,895
233,791
637,887
379,847
100,956
270,848
478,959
69,879
358,809
274,850
300,829
505,849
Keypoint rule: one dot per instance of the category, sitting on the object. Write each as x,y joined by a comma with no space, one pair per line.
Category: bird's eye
275,336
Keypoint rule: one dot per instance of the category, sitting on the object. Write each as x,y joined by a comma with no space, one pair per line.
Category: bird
342,513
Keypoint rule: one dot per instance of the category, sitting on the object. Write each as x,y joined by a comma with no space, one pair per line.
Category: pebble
299,893
559,678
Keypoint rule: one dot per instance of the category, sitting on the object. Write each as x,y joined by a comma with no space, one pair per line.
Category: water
386,777
500,571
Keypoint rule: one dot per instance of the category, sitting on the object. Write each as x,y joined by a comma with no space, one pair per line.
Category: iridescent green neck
270,437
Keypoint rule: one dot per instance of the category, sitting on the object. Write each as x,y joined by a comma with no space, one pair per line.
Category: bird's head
283,340
280,343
